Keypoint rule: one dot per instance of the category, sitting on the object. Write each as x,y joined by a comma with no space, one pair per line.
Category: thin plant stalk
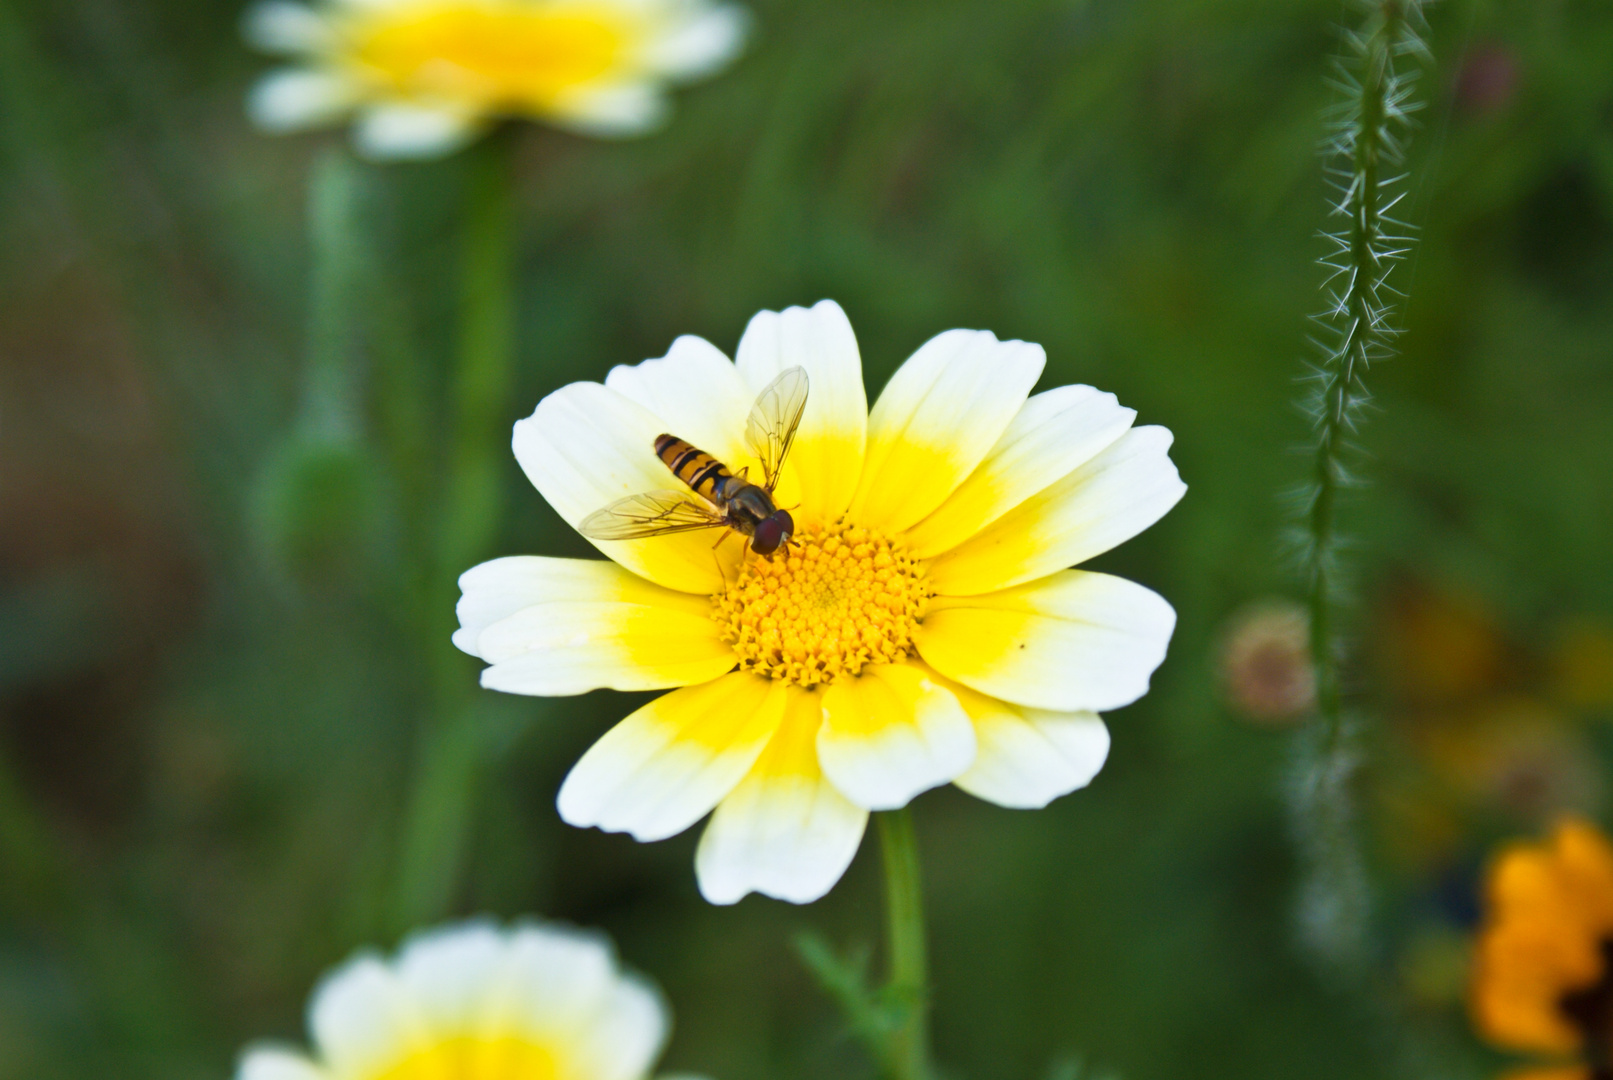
1361,314
908,1057
1368,145
468,514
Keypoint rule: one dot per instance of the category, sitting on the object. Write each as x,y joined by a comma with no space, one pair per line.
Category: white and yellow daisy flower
474,1001
424,77
921,628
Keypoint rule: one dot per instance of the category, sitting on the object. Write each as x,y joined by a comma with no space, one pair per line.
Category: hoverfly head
772,531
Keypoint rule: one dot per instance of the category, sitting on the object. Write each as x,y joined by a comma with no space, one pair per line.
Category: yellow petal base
477,1059
839,599
497,53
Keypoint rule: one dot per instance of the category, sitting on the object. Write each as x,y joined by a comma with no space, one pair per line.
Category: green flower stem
480,448
1364,336
331,397
909,1042
1335,898
468,515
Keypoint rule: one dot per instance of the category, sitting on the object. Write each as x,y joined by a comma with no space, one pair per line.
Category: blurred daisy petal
624,1039
479,1002
556,979
450,972
363,1020
700,46
430,75
398,131
285,27
292,100
612,111
273,1063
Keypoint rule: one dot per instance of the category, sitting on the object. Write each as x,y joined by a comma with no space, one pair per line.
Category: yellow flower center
836,600
490,52
471,1058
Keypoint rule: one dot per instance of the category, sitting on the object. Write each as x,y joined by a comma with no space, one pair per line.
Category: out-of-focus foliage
203,757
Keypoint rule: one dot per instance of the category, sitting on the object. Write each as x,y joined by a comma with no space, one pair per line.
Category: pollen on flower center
502,52
473,1058
838,599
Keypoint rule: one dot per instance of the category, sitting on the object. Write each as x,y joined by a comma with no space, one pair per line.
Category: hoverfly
724,499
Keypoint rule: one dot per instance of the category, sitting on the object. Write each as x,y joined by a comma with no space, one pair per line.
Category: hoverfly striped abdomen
725,500
703,474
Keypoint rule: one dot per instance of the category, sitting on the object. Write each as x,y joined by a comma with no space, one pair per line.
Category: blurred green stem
466,520
330,403
480,447
909,1056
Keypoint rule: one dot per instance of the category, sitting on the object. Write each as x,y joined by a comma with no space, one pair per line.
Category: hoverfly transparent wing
773,419
654,513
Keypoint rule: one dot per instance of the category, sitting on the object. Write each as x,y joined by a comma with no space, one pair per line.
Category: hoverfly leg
726,533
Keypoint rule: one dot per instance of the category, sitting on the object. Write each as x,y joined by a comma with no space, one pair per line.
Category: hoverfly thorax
716,496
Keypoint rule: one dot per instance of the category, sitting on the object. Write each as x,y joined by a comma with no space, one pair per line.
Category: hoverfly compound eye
771,532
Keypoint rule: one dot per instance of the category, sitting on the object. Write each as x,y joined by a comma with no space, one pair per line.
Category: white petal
571,647
295,100
449,973
699,46
1026,758
1110,499
824,466
937,418
398,131
1054,434
625,1037
614,110
587,446
555,980
362,1019
697,393
664,767
891,733
275,1063
498,589
285,27
1075,641
785,831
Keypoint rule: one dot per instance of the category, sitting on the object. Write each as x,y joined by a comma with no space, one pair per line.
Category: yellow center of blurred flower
834,601
487,51
477,1059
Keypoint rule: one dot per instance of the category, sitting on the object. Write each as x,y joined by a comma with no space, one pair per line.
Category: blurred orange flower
1542,980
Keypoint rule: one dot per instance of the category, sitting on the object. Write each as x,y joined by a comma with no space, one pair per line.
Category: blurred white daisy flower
474,1001
421,78
920,627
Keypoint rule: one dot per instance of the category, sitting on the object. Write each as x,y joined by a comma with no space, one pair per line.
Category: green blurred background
214,612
